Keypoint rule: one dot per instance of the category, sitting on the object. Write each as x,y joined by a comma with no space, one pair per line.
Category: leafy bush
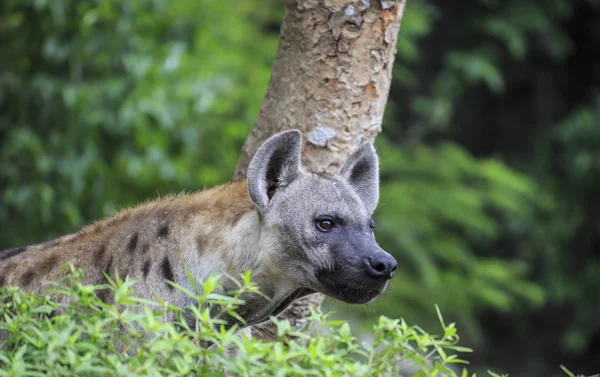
89,337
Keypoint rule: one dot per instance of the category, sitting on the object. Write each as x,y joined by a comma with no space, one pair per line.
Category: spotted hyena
299,232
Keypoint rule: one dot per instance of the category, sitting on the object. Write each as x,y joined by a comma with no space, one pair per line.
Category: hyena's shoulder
139,242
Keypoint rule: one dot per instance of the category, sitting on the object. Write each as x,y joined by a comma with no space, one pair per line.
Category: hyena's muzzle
361,269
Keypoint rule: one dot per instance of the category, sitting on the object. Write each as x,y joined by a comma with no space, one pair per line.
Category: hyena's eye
372,224
325,224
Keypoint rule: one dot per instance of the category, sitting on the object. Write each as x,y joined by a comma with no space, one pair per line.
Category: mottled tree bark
330,79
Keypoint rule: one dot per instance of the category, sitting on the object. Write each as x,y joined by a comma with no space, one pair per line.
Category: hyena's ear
361,171
275,165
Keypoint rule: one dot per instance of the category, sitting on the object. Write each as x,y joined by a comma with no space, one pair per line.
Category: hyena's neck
216,231
224,240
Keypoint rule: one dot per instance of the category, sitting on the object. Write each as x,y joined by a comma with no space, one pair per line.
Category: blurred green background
490,148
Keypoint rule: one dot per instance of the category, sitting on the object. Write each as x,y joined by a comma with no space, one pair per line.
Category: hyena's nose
381,265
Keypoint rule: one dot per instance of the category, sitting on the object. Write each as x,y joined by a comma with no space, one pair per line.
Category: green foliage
439,208
436,205
567,212
89,337
106,103
579,138
474,46
515,84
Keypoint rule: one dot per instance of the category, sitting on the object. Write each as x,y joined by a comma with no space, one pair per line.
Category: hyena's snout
380,265
361,273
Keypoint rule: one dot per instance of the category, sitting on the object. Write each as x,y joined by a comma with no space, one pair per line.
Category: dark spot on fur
163,231
103,294
238,216
50,244
11,252
27,277
108,266
200,243
100,253
133,243
167,271
145,248
146,268
49,262
2,280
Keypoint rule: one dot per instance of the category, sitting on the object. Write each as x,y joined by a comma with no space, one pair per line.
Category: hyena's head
321,227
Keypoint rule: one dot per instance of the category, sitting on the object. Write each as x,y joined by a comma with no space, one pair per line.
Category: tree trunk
330,80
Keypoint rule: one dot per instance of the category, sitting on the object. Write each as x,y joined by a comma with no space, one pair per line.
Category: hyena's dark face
329,241
322,225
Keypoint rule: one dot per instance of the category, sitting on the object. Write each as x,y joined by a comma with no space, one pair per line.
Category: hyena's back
144,243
